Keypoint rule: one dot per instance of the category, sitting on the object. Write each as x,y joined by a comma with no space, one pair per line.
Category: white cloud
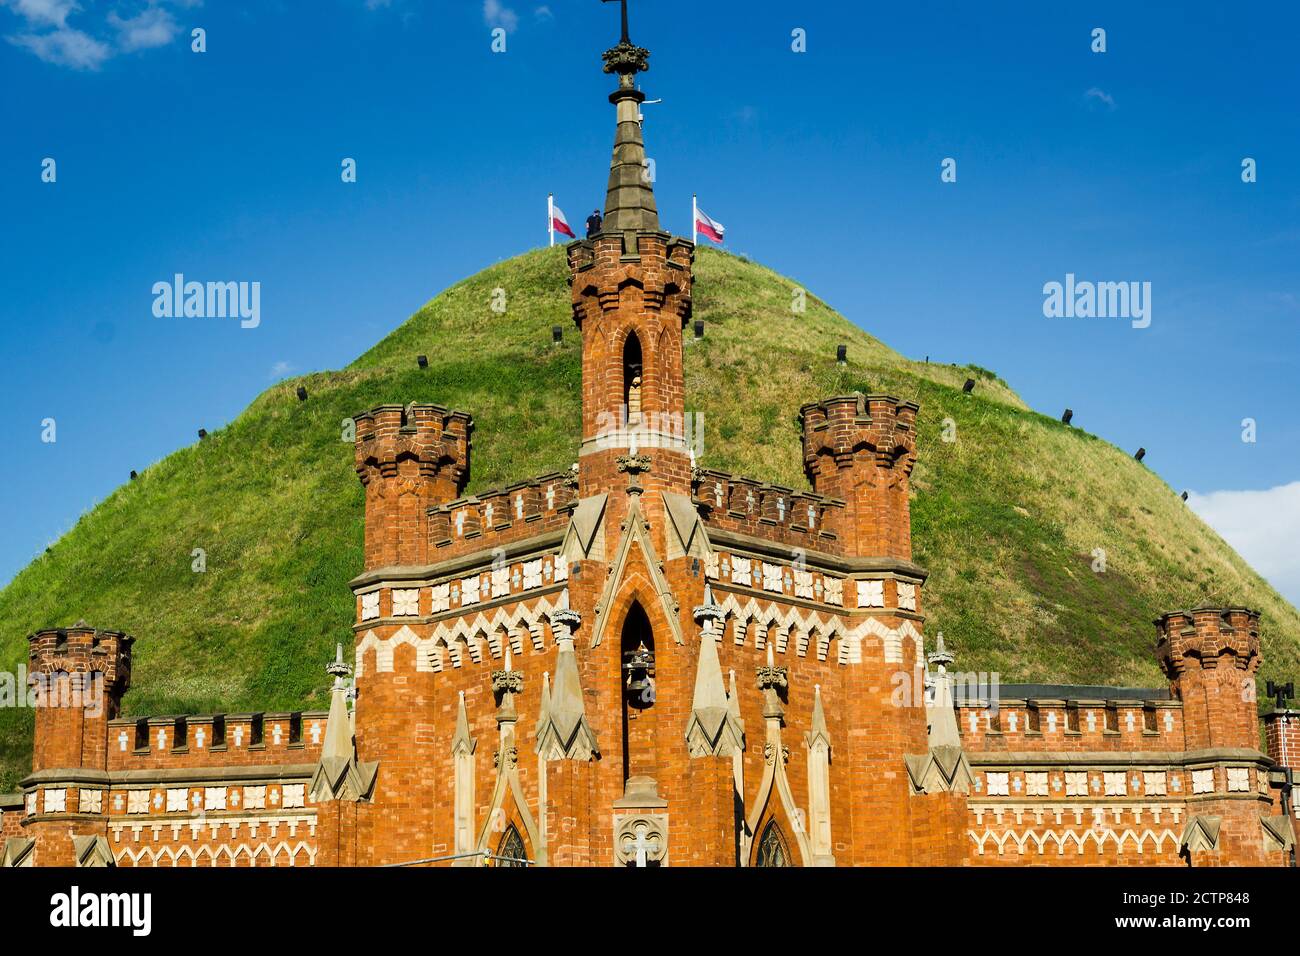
88,43
1263,526
153,27
65,47
497,15
543,13
42,13
1101,96
280,369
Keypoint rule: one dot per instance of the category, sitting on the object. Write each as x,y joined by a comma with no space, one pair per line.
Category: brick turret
409,458
631,296
862,448
1210,656
79,674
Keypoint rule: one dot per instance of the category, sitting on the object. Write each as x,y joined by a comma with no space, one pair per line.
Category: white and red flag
557,221
709,228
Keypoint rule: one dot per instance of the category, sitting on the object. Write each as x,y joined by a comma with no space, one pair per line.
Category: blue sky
825,165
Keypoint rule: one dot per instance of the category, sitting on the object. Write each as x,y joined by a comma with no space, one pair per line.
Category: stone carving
370,606
406,602
641,840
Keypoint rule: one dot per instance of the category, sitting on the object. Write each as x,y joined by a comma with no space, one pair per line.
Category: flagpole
550,216
695,218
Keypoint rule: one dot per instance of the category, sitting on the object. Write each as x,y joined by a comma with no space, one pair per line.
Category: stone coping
423,574
9,801
499,490
853,396
1126,758
127,778
738,541
163,720
1091,693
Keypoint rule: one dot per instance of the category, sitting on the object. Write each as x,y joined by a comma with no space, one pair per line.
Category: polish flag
559,223
707,227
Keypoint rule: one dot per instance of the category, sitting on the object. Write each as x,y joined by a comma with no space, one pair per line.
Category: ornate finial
336,668
940,657
626,59
709,610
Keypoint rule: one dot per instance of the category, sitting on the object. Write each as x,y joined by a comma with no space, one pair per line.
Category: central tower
631,292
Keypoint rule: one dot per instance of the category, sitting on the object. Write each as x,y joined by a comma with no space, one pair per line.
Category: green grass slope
1006,517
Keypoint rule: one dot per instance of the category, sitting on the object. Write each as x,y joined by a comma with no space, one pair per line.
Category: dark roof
1068,692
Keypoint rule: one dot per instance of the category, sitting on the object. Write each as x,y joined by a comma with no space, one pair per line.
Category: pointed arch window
511,848
633,382
772,848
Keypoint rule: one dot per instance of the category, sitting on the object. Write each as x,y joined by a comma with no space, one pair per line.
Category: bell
639,666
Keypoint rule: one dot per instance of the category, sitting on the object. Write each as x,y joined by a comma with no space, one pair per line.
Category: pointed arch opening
633,378
773,850
637,655
511,850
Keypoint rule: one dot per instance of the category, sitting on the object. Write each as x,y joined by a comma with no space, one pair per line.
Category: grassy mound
1006,517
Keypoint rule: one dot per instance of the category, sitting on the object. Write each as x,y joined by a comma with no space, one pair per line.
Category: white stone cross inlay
157,801
550,497
121,740
315,732
239,736
460,523
162,739
275,734
198,738
642,844
519,506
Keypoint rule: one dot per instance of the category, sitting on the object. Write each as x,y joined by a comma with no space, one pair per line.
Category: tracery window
511,847
772,849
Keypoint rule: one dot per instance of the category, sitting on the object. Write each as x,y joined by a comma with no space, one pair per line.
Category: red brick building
646,662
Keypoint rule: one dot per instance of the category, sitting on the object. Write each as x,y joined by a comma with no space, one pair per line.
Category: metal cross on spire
625,38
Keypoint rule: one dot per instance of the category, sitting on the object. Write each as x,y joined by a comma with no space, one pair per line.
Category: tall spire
629,199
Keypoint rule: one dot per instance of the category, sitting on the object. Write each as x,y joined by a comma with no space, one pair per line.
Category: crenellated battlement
214,740
83,650
1210,656
837,430
433,439
501,516
408,458
1207,637
772,512
862,448
1062,718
